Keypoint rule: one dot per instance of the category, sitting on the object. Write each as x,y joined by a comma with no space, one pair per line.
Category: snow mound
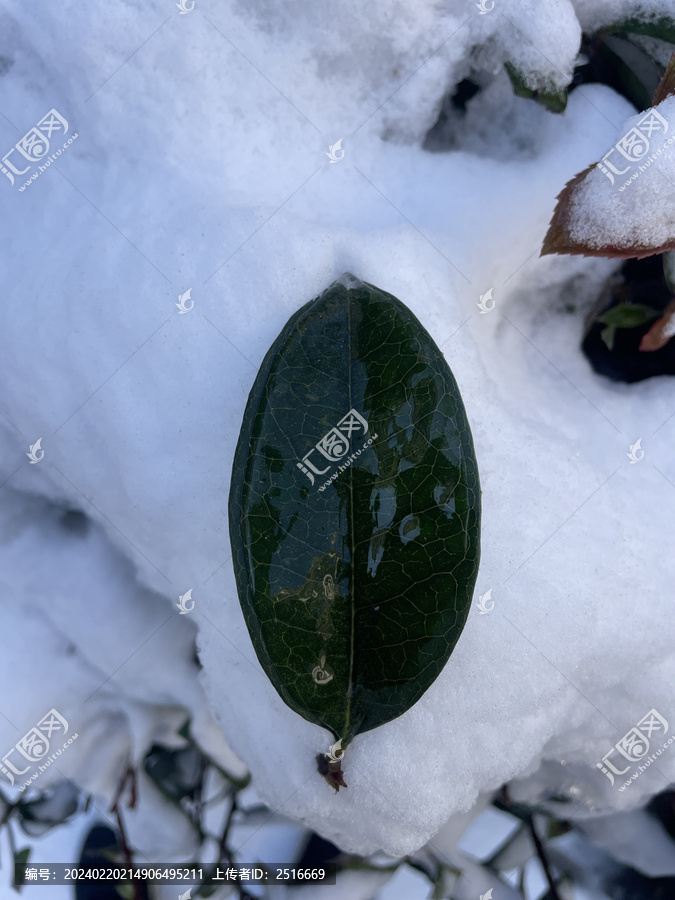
202,163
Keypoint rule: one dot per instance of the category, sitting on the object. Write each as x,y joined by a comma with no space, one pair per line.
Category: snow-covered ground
202,162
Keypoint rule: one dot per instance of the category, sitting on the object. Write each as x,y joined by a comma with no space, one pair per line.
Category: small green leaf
623,315
627,315
20,859
184,730
554,99
354,510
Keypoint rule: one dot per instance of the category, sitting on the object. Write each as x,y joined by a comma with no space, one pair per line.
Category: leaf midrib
351,530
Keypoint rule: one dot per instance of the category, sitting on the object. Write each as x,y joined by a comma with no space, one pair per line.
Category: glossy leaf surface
354,510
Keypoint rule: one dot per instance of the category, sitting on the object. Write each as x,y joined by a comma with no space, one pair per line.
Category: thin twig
198,798
539,847
128,776
9,809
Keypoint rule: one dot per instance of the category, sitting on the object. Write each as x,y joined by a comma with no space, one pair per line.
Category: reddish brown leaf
666,86
661,331
559,235
559,238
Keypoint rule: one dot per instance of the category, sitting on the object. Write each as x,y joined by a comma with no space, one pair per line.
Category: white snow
53,847
541,40
634,838
201,163
535,883
108,654
490,831
407,884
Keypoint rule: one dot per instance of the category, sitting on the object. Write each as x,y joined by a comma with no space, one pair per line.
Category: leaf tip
666,87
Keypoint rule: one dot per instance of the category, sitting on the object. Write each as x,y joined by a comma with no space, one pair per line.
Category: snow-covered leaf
622,205
554,99
540,45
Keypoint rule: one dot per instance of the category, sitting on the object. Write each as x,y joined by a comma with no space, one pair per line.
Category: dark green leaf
633,73
21,856
554,99
354,510
184,730
21,859
662,27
